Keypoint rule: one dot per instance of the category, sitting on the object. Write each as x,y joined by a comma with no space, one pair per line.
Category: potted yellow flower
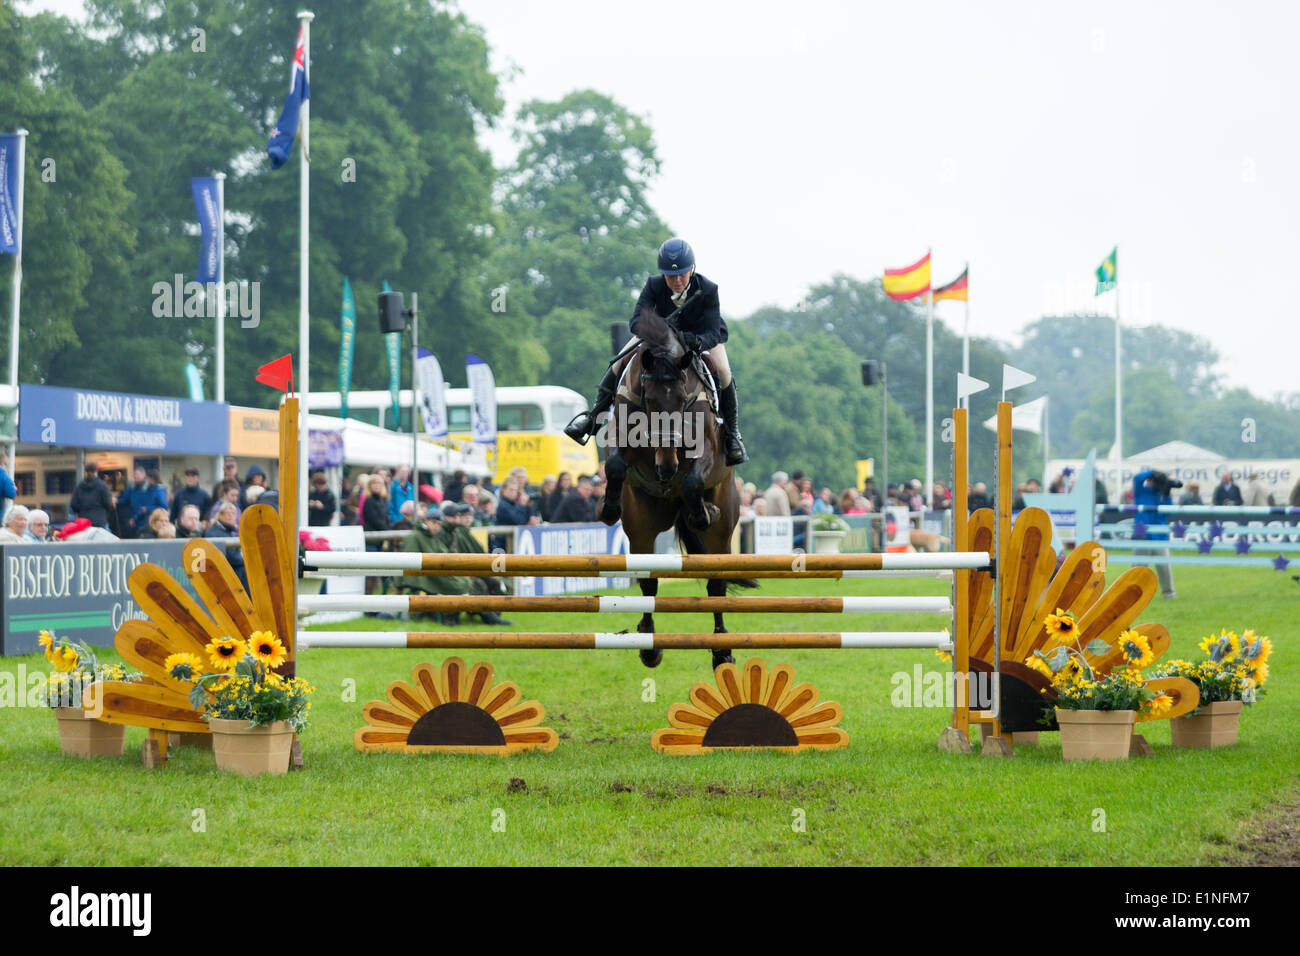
74,667
253,711
1096,713
1232,675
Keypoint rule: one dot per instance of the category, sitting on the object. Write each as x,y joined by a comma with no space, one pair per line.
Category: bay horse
670,473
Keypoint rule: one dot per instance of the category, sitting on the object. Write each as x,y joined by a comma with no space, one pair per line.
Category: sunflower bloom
1061,625
63,658
46,641
267,648
1160,704
225,653
183,666
1036,663
1136,649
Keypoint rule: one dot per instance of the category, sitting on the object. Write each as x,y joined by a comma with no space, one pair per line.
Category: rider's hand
691,341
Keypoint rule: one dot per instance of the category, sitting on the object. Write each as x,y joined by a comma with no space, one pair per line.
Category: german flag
908,282
956,289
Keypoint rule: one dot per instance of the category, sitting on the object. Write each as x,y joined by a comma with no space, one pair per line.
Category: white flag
433,394
483,401
1026,418
1014,378
968,385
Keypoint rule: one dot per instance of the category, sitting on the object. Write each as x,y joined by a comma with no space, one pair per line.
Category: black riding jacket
702,316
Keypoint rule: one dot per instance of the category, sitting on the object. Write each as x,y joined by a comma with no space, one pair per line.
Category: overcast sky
799,140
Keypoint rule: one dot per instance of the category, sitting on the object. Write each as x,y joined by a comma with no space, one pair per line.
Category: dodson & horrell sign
78,591
81,418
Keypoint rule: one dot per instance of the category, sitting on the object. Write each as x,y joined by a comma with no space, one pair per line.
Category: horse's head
669,386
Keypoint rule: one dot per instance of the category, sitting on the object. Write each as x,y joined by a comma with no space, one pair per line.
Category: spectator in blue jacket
191,494
1148,490
142,496
8,491
400,492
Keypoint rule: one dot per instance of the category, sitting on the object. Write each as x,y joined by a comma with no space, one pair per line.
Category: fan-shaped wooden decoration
178,623
1032,588
454,709
754,708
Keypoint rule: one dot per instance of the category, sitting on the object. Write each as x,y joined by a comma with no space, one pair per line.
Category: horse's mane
653,330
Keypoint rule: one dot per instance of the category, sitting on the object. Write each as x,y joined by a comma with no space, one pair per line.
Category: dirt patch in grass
1270,839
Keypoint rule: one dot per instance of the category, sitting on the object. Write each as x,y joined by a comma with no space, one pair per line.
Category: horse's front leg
611,508
700,512
652,656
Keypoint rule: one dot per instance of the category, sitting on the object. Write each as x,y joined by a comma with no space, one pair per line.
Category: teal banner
347,338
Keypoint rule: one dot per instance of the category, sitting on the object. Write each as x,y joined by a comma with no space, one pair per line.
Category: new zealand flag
281,142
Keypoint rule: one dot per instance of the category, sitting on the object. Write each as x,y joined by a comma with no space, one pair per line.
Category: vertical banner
195,380
9,150
483,401
206,205
347,338
393,348
433,394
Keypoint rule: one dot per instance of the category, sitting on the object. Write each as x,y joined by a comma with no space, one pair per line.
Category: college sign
81,418
77,591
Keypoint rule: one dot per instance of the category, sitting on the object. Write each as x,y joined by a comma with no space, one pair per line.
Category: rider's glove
691,341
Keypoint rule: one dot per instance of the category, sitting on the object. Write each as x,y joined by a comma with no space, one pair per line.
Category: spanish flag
956,289
908,282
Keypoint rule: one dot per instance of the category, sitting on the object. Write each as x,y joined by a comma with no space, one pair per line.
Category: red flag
278,374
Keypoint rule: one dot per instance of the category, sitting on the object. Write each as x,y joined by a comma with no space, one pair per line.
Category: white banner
1278,476
773,535
433,394
483,414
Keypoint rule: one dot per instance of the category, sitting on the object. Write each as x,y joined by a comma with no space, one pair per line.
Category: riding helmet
676,257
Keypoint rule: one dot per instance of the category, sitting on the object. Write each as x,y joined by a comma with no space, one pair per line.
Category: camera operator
1151,488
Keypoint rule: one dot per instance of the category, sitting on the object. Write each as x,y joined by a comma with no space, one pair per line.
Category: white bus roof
381,399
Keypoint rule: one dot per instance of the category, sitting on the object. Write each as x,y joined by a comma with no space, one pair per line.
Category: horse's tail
695,545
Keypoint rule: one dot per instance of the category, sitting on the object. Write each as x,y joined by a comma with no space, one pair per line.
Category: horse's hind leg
649,657
718,588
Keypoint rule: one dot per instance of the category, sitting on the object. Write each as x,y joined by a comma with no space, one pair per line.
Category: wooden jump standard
624,604
577,565
940,640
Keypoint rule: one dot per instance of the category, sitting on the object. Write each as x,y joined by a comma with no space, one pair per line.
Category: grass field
603,797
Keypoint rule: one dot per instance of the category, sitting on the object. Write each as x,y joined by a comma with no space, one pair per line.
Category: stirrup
583,434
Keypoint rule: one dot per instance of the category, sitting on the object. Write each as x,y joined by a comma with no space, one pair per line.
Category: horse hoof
651,657
611,511
720,657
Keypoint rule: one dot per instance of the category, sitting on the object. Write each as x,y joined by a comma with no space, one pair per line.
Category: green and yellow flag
1106,274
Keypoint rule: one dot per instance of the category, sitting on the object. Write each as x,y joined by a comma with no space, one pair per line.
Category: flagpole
929,404
1119,383
220,390
305,18
415,397
1046,408
18,282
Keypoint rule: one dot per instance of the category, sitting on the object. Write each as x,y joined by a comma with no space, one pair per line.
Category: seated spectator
451,491
576,506
824,503
760,507
513,507
1191,494
470,495
188,524
157,518
873,496
256,478
487,504
848,498
856,506
940,497
191,494
374,517
15,526
321,506
406,517
228,492
563,485
429,537
226,525
253,494
979,498
229,472
456,522
38,525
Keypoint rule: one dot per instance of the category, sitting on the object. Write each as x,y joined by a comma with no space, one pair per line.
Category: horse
654,481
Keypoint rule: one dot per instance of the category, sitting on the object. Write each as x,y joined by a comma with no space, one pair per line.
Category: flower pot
249,751
310,585
1210,725
81,735
1095,734
827,542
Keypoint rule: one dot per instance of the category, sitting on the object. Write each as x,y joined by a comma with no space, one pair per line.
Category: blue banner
10,147
569,539
81,418
208,207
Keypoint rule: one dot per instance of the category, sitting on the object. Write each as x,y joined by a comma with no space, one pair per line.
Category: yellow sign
866,469
542,455
254,432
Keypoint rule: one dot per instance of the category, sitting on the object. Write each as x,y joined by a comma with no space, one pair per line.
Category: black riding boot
586,424
736,454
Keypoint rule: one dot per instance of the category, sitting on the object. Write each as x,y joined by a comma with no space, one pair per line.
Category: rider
700,328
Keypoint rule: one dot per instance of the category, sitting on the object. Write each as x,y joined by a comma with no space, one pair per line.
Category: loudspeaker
392,316
873,372
619,334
